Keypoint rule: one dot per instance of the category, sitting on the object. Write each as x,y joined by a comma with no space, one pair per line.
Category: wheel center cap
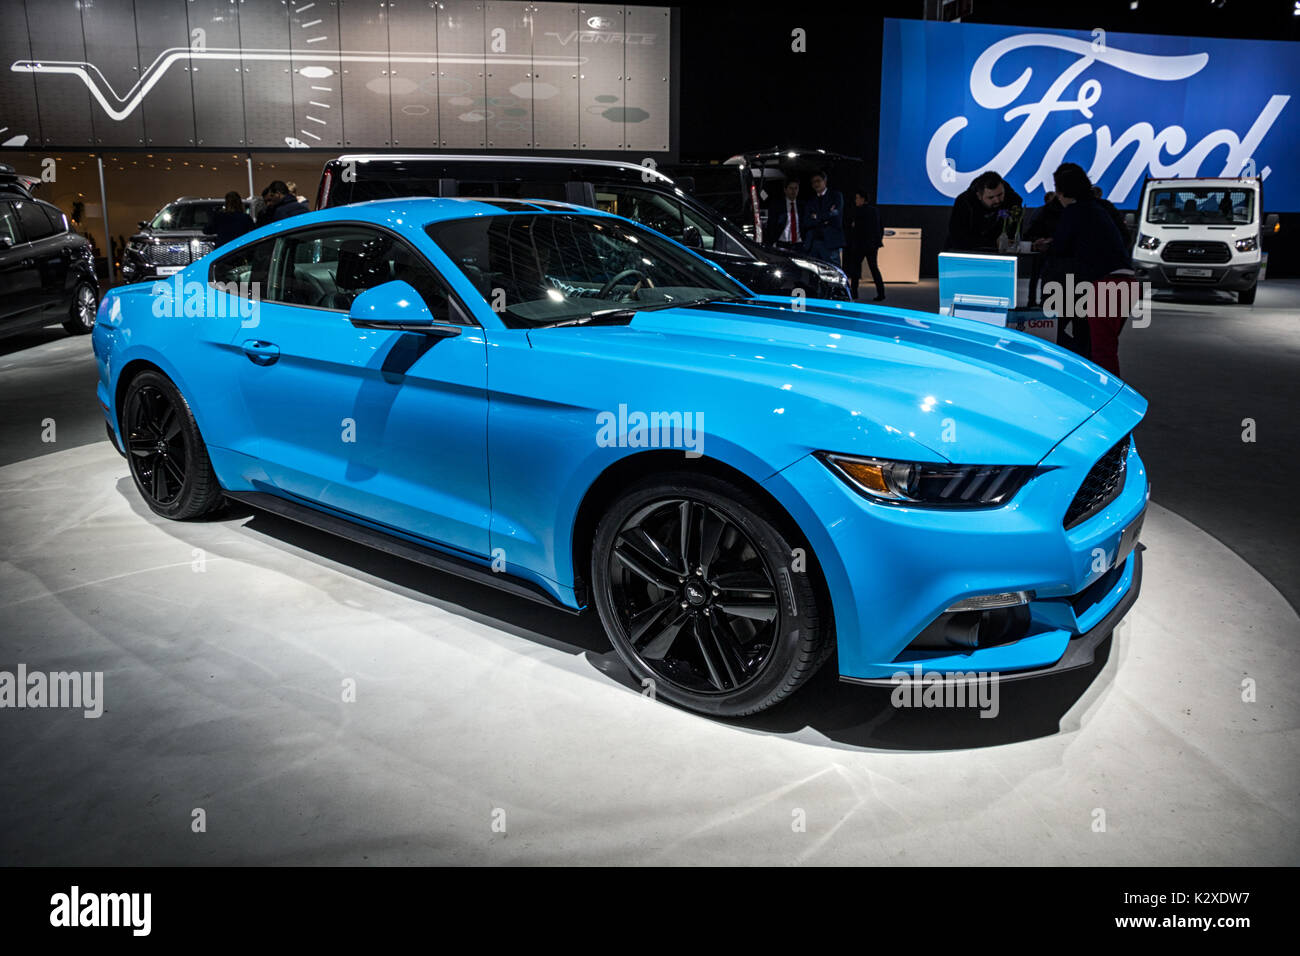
162,447
696,594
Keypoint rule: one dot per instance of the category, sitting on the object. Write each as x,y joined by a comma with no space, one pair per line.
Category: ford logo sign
599,23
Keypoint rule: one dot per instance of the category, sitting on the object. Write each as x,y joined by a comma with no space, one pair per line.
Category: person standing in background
280,204
864,235
825,218
1041,226
786,225
231,221
976,219
1089,245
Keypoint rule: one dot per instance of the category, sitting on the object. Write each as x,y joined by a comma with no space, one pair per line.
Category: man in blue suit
825,220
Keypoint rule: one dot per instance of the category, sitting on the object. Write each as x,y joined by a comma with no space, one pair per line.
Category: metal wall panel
64,100
557,61
218,79
600,81
462,85
108,27
509,111
162,31
20,123
413,58
363,28
316,72
646,81
268,86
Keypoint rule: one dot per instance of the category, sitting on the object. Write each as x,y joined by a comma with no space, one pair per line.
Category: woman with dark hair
1088,245
863,238
231,221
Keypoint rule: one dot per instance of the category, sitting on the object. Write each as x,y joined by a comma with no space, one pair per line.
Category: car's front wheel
168,459
81,313
703,595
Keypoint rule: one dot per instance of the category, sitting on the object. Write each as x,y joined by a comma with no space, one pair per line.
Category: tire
81,314
169,462
726,658
1247,296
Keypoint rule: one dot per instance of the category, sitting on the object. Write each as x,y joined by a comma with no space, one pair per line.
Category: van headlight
928,483
1148,242
1249,244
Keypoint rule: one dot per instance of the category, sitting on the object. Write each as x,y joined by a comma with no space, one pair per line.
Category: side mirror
1270,220
6,242
397,307
691,238
1130,219
143,224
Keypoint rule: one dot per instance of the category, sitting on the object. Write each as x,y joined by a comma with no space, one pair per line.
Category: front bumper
891,571
1234,277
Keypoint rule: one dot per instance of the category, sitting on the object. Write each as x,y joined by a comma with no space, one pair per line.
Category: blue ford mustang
575,409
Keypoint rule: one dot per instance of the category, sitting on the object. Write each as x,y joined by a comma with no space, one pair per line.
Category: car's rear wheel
168,459
703,595
1247,296
81,314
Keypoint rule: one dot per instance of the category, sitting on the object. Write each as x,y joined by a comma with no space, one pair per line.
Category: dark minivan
640,193
47,271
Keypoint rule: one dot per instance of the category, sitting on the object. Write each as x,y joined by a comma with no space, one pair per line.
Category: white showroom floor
225,646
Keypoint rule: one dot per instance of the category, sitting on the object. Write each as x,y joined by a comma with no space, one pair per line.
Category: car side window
36,225
328,266
58,221
244,272
9,224
654,209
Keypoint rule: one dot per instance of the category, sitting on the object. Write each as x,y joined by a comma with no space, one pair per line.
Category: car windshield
185,215
549,269
1194,205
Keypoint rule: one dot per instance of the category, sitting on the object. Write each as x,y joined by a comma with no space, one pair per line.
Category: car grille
1102,485
1184,251
175,253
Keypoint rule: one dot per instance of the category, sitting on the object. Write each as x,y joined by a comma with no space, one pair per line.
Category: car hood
866,380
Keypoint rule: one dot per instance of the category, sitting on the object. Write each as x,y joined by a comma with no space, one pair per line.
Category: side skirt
397,546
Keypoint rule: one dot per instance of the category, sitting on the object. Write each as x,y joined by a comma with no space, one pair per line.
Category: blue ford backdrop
959,98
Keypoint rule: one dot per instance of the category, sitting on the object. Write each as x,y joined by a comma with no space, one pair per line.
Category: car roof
411,214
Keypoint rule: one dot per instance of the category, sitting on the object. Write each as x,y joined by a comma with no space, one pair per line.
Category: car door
20,280
384,425
46,250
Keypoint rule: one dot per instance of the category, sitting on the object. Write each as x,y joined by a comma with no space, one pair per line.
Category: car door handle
261,353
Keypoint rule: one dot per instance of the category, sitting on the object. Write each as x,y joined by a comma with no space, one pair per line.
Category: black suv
47,271
171,240
635,192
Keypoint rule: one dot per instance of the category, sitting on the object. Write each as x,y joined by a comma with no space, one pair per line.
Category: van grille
1191,251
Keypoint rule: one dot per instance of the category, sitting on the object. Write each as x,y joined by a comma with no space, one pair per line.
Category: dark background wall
742,86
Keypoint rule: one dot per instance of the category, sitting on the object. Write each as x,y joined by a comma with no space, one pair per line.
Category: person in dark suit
230,222
977,214
785,227
864,235
280,204
825,217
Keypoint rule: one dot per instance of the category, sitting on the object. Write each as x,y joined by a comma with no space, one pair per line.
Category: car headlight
928,483
1148,242
1249,244
824,270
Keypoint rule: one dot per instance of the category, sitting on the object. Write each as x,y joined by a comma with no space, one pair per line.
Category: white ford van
1201,233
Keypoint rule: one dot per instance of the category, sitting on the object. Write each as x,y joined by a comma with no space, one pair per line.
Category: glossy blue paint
490,439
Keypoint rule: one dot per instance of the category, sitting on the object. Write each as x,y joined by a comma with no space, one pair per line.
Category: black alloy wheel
168,459
694,585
